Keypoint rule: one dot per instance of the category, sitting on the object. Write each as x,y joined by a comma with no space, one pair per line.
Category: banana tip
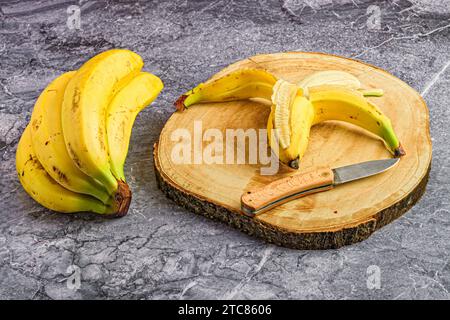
179,104
294,164
399,152
123,198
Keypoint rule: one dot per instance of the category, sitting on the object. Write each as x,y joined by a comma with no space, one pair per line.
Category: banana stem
122,199
399,152
188,99
372,92
179,104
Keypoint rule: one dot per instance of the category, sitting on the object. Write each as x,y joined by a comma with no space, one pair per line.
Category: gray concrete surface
162,251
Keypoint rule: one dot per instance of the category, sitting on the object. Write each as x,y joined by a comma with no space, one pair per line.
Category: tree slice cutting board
347,214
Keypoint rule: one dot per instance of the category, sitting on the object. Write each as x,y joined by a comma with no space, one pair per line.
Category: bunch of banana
70,157
324,95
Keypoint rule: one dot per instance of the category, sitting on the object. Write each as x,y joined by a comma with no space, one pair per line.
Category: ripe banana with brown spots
50,148
71,156
84,112
122,111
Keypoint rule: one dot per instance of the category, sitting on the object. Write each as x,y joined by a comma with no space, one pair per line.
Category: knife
257,201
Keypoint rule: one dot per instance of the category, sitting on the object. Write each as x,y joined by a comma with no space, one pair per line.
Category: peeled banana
301,117
332,102
283,96
332,77
237,85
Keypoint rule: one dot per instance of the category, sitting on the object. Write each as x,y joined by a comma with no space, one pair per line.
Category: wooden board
342,216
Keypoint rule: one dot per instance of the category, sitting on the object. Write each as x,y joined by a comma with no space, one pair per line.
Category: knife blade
254,202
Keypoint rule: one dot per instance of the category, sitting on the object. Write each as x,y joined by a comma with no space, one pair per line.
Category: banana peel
237,85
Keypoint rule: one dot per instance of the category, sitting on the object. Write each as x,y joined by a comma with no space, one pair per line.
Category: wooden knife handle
286,189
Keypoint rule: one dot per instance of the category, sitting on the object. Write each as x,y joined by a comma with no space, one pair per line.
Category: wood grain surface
288,188
324,220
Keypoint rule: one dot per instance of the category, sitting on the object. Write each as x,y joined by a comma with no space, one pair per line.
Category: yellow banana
46,191
122,112
338,103
48,142
237,85
84,111
300,121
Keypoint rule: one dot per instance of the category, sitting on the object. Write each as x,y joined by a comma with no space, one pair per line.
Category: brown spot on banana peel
122,198
37,123
179,104
61,175
74,156
101,139
75,100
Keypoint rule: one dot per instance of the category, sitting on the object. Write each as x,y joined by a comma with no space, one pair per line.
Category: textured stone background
162,251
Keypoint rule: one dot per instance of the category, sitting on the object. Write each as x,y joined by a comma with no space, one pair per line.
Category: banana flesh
237,85
337,78
332,77
300,120
283,97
